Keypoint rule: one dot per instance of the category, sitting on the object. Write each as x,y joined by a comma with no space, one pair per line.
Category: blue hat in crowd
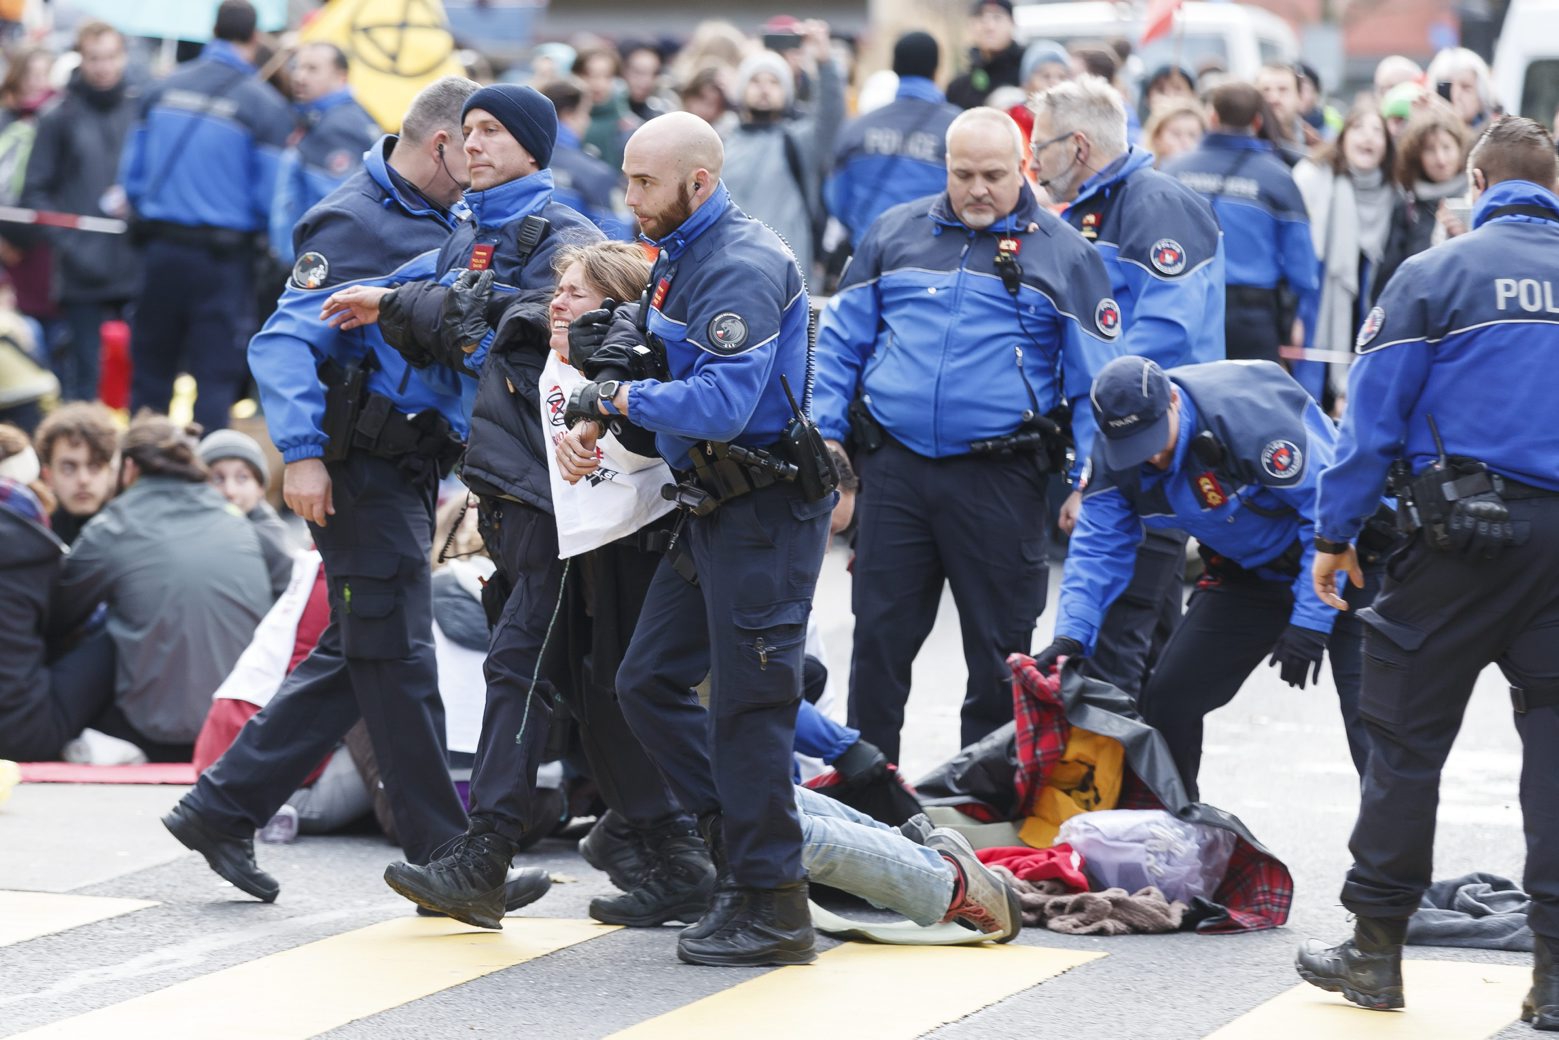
1130,400
524,112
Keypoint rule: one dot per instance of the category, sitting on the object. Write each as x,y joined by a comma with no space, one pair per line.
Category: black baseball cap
1130,399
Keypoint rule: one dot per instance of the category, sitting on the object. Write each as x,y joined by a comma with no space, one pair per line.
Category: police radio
1444,482
803,443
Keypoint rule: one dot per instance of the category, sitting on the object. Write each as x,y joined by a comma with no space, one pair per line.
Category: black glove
464,325
584,404
1480,526
1064,646
862,760
587,332
1298,651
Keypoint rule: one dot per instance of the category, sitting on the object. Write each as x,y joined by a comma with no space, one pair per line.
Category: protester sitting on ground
78,448
184,579
239,470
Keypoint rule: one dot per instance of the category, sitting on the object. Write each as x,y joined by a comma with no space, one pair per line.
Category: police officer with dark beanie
728,309
367,491
1455,365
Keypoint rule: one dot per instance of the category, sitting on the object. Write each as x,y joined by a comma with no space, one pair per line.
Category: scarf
1373,198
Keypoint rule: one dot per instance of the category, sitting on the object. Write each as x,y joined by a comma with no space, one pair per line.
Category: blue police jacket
1252,507
1458,334
489,240
943,354
731,308
336,132
896,154
1161,244
1266,231
375,229
586,184
205,149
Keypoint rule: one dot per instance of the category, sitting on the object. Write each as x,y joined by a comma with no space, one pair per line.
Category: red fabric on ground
72,773
316,615
1059,862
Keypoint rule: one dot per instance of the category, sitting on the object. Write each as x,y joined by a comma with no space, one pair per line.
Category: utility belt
1047,437
1222,570
1447,491
1251,296
357,420
215,239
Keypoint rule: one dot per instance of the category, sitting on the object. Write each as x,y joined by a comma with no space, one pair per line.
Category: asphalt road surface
110,929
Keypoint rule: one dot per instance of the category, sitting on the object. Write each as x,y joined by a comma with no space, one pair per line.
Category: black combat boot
676,887
231,857
765,926
1366,969
712,827
523,887
1541,1006
468,884
616,848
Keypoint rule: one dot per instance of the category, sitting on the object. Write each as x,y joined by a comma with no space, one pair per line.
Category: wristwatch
1327,546
607,392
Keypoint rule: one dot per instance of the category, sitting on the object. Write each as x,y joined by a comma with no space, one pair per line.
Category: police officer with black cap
1456,364
368,494
728,310
1228,451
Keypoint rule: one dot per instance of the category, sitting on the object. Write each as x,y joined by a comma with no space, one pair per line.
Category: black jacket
29,559
74,160
1003,69
1412,232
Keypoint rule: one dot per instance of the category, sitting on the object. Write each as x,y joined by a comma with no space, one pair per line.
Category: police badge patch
1108,317
727,333
1168,257
1282,459
310,271
1371,327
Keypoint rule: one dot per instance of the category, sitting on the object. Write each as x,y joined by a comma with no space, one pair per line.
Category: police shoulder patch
310,270
1282,459
1371,327
1108,317
1167,256
727,333
339,161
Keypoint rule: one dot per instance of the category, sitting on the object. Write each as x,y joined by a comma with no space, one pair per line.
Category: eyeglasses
1041,146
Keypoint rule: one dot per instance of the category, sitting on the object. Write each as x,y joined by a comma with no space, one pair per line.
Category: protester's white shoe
92,748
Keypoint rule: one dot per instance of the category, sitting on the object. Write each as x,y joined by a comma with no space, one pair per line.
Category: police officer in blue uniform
962,320
728,307
199,170
368,493
584,181
1161,244
1230,453
896,153
1271,270
332,133
1456,363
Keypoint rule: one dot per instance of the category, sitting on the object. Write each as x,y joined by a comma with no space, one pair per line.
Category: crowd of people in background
139,559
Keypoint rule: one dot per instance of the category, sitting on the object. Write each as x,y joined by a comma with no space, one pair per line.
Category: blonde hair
1168,110
617,270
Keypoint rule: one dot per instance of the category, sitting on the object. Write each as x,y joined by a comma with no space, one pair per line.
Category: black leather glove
1480,526
584,405
1297,655
587,332
1064,646
862,760
463,324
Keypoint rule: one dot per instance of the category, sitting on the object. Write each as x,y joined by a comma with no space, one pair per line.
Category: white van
1238,37
1526,60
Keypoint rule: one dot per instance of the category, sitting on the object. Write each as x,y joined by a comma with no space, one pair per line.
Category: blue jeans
859,855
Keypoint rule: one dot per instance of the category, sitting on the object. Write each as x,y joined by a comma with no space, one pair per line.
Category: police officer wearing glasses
1456,364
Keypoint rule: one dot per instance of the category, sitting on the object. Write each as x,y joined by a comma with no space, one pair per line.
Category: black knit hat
916,54
524,112
980,5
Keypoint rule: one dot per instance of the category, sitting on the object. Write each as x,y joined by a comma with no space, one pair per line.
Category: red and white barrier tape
73,221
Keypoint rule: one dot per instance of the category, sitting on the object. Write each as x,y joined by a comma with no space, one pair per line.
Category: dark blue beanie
524,112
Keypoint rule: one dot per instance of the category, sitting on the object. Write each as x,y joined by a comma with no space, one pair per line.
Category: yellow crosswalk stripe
1446,1000
312,989
27,915
884,992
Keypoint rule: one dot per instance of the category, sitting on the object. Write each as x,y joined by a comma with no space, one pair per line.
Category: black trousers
194,314
374,661
1228,631
77,693
1139,623
1439,621
977,523
523,542
1252,328
744,625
